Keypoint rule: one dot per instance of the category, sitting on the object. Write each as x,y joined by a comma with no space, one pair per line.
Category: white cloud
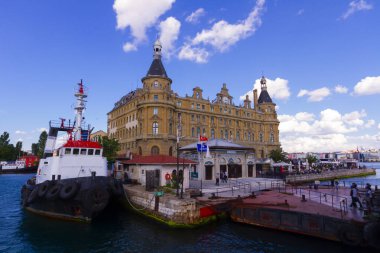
194,17
138,16
378,126
222,35
196,54
355,6
355,118
127,47
331,131
169,30
277,89
315,95
370,123
20,132
300,12
41,129
368,86
341,89
305,116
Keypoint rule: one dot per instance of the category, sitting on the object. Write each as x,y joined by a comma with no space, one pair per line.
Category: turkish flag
202,138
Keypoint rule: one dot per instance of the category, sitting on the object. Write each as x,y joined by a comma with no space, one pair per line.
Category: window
155,97
212,108
155,150
170,128
261,136
226,134
67,151
97,151
249,136
192,106
83,151
76,151
179,103
171,151
212,134
204,118
142,172
198,106
271,137
198,131
155,128
203,107
204,131
198,118
90,151
192,132
155,111
212,119
192,117
155,84
238,136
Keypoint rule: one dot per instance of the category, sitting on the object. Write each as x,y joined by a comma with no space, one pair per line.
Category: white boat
72,181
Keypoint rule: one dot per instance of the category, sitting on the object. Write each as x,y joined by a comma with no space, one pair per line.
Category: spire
157,47
156,68
263,82
264,95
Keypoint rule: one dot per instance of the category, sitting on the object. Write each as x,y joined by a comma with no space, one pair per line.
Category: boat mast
79,111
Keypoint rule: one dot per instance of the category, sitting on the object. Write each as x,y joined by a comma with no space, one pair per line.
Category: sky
321,60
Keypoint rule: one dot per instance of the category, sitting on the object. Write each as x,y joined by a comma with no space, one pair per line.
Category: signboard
194,174
202,147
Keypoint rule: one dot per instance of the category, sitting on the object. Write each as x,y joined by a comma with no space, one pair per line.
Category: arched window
155,128
212,133
221,134
140,151
238,135
271,137
226,134
261,136
249,136
155,150
198,131
171,151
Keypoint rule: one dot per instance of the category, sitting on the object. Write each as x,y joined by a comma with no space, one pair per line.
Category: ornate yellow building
146,120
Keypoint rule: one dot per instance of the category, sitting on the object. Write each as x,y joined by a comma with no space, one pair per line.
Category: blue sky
321,59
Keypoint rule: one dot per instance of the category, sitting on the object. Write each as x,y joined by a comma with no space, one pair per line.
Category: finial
157,47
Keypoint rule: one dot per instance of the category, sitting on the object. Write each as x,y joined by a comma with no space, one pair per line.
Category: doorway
208,172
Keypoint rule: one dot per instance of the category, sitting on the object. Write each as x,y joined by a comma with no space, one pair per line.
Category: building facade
146,120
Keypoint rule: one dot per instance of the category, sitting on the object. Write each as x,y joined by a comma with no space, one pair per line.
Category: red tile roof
157,159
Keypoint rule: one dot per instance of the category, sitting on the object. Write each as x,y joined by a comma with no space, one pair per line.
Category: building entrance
208,172
234,171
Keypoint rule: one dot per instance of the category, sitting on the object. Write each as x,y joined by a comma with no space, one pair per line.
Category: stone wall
329,175
179,211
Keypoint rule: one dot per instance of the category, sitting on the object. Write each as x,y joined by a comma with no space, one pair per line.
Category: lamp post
177,177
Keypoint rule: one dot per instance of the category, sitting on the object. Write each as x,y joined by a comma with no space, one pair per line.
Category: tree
34,148
18,149
41,144
278,155
7,151
110,148
311,159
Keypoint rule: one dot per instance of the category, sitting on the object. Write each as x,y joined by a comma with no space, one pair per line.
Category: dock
323,212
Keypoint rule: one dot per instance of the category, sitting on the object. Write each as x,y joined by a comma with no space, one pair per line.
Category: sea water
125,231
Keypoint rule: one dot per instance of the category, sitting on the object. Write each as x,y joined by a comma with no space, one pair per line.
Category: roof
157,69
264,97
217,144
157,159
82,144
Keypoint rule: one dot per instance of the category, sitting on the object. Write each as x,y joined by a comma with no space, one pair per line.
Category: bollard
303,198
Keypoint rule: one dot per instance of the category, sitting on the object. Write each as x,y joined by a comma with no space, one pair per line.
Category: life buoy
43,188
372,234
53,192
68,190
33,195
96,199
350,235
167,176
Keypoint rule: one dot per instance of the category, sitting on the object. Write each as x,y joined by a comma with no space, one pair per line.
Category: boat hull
76,199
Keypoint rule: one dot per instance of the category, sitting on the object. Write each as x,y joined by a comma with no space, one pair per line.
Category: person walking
336,182
355,196
368,196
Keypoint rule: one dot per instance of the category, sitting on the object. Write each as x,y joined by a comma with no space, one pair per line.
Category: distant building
145,121
97,135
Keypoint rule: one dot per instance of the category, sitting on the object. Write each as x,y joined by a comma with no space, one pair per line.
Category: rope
137,209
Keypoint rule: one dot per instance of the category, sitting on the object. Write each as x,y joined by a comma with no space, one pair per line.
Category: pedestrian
336,185
355,196
217,181
369,195
225,177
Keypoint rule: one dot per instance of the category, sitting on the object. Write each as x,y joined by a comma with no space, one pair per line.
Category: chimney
255,98
247,102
